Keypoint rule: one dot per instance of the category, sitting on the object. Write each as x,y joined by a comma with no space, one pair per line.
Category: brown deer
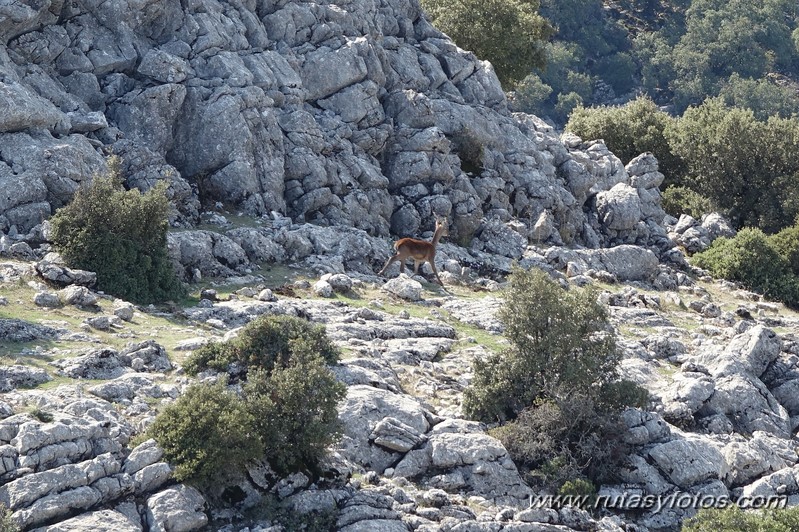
420,251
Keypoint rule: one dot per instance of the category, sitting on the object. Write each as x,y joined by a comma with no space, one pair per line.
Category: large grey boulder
176,509
378,424
688,462
619,208
19,376
98,521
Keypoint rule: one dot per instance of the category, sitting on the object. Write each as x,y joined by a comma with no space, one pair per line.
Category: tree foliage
734,519
746,167
714,156
559,342
264,343
751,259
286,410
557,387
630,130
206,432
121,235
508,33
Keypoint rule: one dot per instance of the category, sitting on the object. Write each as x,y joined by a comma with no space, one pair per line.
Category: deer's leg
402,266
388,263
416,264
433,266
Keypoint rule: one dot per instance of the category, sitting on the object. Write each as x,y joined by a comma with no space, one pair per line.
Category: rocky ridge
348,114
721,422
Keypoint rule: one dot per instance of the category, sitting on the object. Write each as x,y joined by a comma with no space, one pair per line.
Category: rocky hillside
83,375
357,114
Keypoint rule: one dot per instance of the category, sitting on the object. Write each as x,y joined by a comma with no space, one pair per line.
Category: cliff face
353,113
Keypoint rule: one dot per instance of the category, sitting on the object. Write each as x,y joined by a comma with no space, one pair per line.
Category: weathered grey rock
404,287
717,226
123,310
360,413
98,521
619,208
62,275
77,295
323,289
46,299
14,330
689,462
19,376
752,459
177,509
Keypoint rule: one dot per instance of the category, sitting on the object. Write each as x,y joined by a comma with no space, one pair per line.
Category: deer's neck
437,236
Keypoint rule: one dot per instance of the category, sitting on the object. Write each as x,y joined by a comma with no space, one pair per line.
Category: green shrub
560,341
206,432
555,442
558,383
263,343
733,519
288,402
120,235
750,259
295,412
508,33
679,200
745,167
7,523
629,131
786,243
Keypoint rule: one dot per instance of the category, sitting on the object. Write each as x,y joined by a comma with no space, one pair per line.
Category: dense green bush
560,341
746,167
206,432
508,33
557,386
629,131
786,243
679,200
750,259
121,235
566,440
733,519
286,410
295,412
263,343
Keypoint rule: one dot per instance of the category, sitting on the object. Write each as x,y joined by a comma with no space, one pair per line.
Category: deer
420,251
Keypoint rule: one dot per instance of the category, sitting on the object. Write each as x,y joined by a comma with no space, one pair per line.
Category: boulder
404,287
176,509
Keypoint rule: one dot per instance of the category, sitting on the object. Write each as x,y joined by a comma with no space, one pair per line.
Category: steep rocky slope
83,374
356,114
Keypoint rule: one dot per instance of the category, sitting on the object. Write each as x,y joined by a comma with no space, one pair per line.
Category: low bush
557,442
750,259
295,412
286,411
560,340
121,235
263,343
786,243
733,519
679,200
206,432
557,387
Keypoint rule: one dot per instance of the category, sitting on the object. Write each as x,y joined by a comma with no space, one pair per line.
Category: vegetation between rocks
121,235
556,388
285,412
